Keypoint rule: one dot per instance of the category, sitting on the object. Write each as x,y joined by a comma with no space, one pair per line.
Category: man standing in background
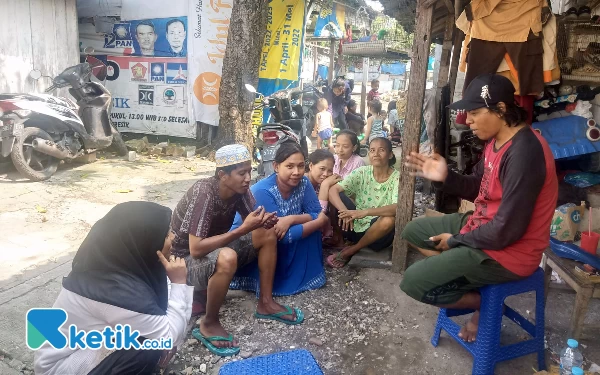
338,98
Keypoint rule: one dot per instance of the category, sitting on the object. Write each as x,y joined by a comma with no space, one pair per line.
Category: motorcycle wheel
32,164
118,144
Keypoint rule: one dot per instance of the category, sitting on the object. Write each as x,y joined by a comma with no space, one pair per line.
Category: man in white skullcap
201,223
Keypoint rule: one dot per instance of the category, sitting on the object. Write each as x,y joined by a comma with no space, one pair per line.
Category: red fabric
523,256
372,95
461,117
526,102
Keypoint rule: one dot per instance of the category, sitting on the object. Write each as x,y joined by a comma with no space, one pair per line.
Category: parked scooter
39,130
289,125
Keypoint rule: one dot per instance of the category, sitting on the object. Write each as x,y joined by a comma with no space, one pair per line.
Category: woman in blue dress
299,251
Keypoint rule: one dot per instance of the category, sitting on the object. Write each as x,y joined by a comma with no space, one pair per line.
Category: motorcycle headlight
293,114
22,113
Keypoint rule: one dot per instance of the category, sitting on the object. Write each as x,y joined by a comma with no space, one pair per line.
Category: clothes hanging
501,20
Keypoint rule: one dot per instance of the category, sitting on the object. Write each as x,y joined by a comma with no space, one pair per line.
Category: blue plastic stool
486,349
295,362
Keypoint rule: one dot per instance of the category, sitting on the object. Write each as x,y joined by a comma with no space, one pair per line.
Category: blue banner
160,37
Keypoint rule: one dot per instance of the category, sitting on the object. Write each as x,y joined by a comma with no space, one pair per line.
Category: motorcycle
40,130
289,125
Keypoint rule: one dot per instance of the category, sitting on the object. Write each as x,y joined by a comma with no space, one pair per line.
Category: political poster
281,59
206,44
159,37
149,95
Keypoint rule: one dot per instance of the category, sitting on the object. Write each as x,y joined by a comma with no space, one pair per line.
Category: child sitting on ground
323,124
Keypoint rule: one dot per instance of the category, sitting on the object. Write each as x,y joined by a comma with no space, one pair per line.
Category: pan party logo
206,88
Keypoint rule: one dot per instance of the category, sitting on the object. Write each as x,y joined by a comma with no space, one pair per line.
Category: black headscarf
117,262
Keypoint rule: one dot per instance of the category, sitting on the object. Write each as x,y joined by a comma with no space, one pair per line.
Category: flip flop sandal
278,316
223,352
337,257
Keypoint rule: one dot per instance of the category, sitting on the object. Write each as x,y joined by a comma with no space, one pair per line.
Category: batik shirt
202,213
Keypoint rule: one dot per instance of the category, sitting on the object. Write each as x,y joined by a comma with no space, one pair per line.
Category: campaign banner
158,37
206,45
149,95
331,21
281,60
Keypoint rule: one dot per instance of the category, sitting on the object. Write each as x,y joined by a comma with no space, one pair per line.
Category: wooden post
331,62
412,129
458,39
363,89
446,50
316,64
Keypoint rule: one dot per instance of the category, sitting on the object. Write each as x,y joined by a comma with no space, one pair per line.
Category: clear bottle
577,371
570,357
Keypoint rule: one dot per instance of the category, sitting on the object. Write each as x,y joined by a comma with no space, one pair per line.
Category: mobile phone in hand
431,243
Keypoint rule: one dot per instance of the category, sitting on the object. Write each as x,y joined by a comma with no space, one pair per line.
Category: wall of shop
36,34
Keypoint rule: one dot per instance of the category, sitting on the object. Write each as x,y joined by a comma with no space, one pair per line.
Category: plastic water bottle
570,357
577,371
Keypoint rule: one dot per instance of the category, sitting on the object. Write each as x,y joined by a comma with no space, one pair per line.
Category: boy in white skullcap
201,223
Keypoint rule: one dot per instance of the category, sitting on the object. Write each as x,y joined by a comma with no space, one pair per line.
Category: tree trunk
247,31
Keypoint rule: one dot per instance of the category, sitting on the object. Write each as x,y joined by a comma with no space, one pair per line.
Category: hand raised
432,167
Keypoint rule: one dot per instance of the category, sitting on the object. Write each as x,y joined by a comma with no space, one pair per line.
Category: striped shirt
354,162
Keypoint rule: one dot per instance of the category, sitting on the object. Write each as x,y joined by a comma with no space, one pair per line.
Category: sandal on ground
206,341
337,257
278,316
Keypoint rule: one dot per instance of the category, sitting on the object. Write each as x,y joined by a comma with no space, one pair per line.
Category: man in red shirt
515,190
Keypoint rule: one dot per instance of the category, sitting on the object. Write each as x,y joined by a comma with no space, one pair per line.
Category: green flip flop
278,316
223,352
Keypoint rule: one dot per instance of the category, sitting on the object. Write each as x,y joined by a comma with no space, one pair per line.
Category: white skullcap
231,154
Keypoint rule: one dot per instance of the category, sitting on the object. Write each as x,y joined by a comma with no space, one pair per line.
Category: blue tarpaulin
397,68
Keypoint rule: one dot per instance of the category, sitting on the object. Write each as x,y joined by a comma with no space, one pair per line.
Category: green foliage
396,37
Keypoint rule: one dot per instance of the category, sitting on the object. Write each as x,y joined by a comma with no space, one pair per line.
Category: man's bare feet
199,303
272,307
469,332
216,329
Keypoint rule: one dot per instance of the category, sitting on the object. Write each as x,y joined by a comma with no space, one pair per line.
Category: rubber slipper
278,316
337,257
223,352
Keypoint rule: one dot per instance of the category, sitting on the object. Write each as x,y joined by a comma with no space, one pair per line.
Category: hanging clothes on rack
551,70
504,27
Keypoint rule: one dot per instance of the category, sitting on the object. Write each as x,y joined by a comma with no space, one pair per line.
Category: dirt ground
359,323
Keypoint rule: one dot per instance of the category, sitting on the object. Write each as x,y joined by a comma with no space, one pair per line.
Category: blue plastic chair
486,349
295,362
